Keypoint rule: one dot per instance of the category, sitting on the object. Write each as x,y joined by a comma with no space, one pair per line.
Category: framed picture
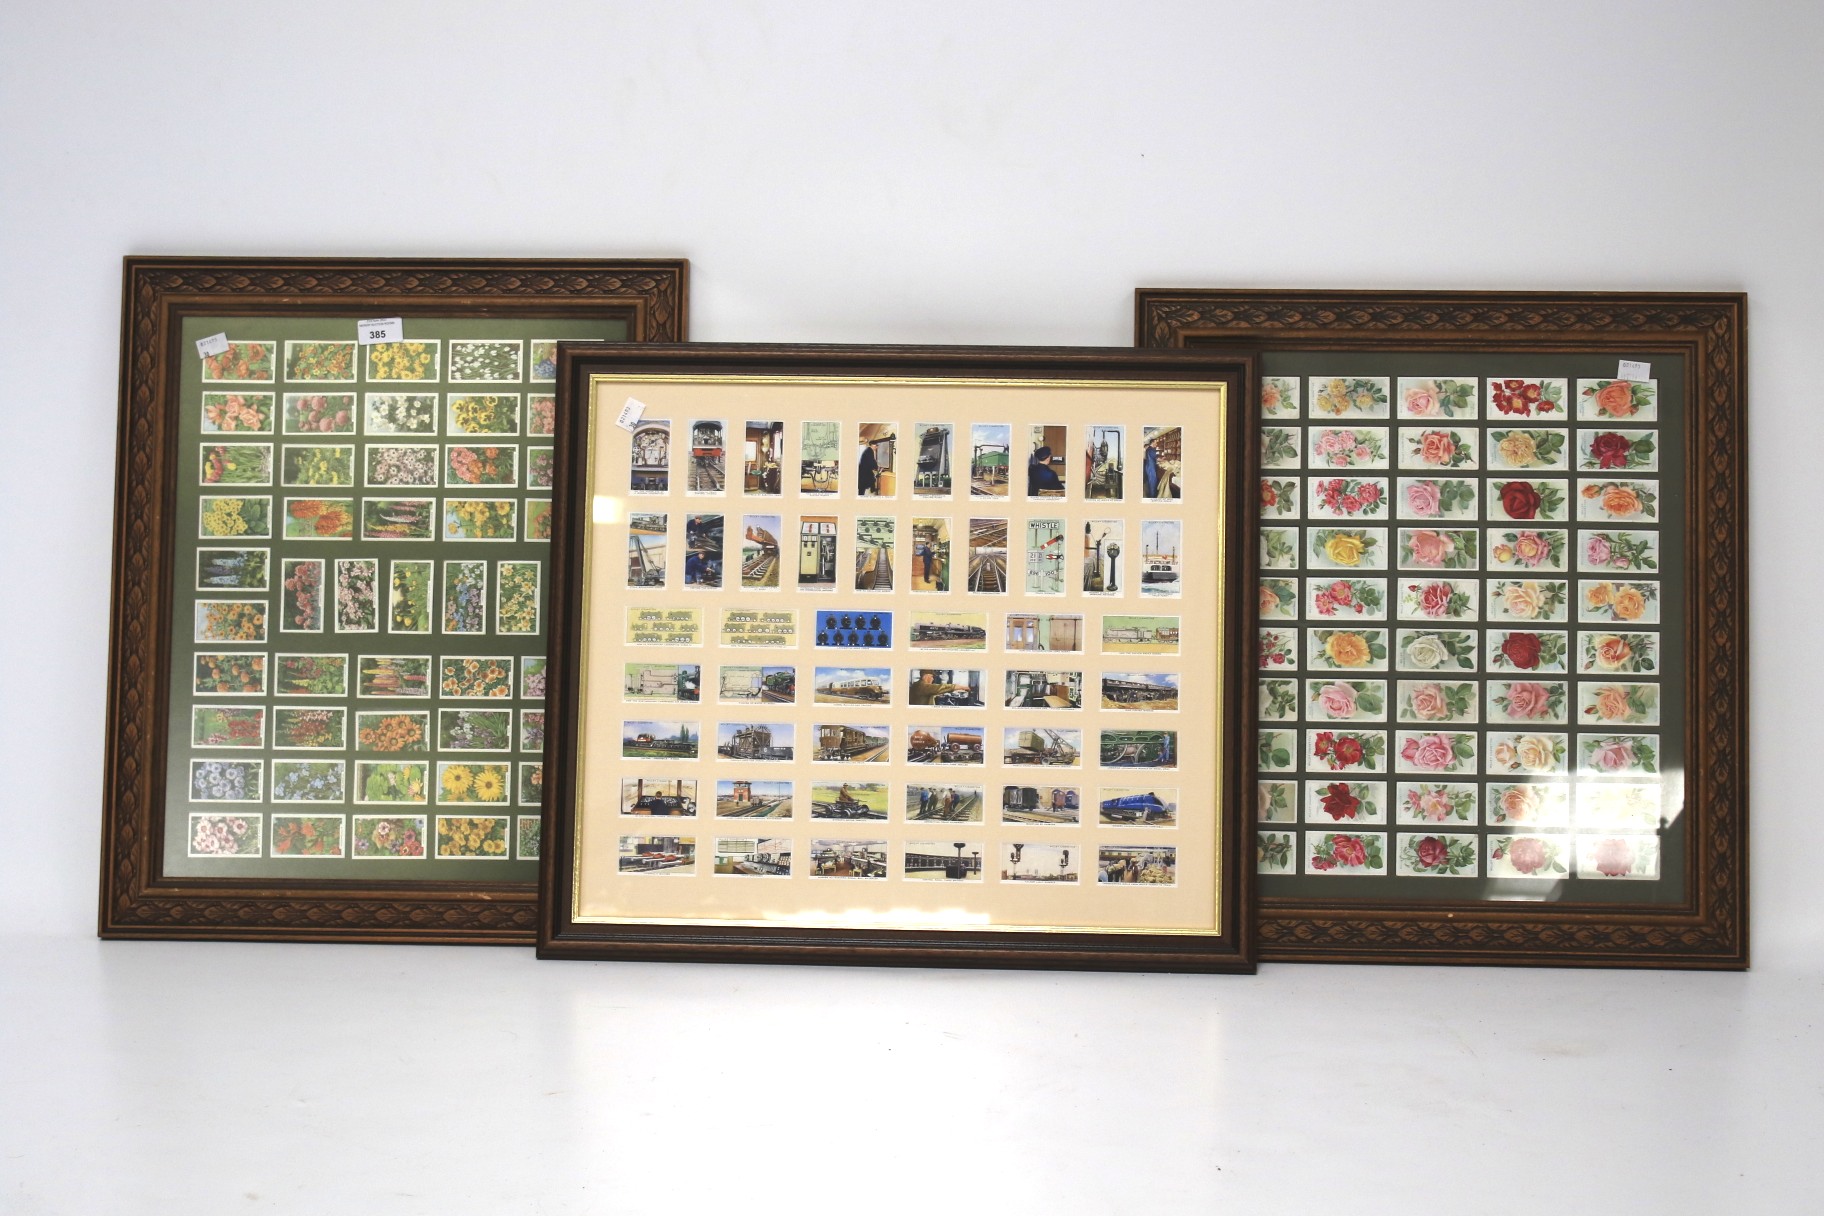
1502,652
899,655
332,517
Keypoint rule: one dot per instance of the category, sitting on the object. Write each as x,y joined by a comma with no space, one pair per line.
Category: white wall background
958,172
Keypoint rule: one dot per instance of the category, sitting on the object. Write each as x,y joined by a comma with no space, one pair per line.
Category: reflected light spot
1523,890
876,917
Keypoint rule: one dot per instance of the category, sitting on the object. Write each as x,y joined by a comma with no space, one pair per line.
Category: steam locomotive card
949,631
1009,752
1152,806
1140,690
740,684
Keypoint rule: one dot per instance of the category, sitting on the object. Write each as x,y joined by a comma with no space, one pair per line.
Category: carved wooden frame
1709,929
136,899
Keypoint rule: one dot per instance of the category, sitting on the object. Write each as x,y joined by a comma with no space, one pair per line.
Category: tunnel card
988,556
708,469
1008,752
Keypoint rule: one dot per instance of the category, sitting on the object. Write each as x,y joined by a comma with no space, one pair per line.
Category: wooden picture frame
1636,854
853,694
263,546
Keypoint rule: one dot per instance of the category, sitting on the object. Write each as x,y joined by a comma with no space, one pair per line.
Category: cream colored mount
810,894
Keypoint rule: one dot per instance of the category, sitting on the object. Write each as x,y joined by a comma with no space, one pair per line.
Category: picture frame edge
1713,925
158,290
558,933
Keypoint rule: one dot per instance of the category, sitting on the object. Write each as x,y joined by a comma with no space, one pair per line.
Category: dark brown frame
1710,928
560,936
137,899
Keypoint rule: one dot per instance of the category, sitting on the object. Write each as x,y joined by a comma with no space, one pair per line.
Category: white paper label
630,414
1631,370
380,329
214,344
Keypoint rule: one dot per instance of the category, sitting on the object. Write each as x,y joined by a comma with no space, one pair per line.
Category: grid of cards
364,669
1460,648
902,569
